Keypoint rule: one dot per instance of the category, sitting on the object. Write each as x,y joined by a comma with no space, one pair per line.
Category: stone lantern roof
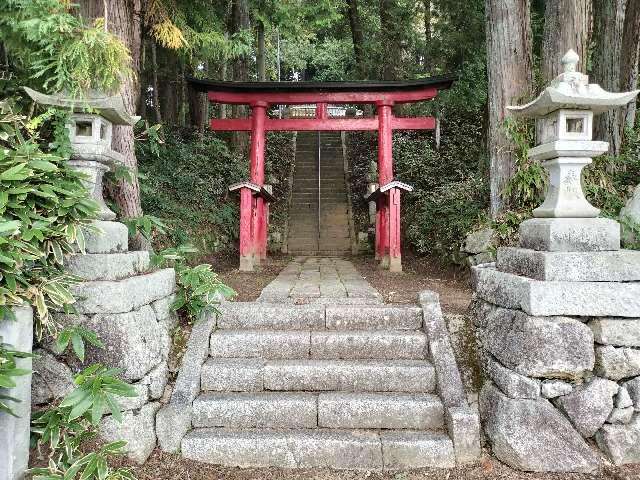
109,107
572,90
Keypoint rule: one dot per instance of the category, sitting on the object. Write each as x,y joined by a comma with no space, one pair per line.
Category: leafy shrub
44,208
8,371
198,287
63,429
185,184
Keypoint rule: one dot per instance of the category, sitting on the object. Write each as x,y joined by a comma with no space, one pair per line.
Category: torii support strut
254,199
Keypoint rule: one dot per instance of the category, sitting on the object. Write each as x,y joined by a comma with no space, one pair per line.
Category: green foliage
526,187
186,186
145,225
198,287
8,371
77,335
57,49
62,429
44,208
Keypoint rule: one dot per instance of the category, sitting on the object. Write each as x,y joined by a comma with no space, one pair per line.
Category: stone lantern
557,318
564,124
90,132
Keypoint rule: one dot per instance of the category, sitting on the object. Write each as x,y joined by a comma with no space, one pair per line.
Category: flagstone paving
320,279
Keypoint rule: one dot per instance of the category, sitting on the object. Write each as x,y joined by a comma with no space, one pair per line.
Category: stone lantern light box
564,136
90,129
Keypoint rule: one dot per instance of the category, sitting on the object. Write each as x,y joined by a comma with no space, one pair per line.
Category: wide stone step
250,375
319,448
380,410
336,410
256,410
277,316
357,344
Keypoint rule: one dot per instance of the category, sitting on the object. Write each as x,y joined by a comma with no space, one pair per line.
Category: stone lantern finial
570,61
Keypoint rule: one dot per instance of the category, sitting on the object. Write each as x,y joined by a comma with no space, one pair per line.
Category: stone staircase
326,233
321,385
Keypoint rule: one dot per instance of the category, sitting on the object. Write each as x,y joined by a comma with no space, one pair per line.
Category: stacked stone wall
558,329
127,304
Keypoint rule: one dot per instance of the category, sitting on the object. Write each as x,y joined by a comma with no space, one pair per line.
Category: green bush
44,208
185,180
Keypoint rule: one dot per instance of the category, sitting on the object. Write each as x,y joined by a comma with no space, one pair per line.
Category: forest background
501,51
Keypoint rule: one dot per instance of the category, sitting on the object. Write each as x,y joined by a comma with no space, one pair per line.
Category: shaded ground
165,466
248,285
420,273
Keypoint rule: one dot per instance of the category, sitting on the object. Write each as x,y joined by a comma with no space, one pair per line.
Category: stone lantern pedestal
121,297
558,317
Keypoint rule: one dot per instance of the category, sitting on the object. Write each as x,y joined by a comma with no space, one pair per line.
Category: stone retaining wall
559,336
127,305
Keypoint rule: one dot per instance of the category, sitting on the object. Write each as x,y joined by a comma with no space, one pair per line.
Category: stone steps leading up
251,375
335,410
305,236
320,448
354,344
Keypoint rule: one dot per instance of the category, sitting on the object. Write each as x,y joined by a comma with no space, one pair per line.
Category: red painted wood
256,156
292,98
394,223
246,217
321,111
385,145
382,227
329,124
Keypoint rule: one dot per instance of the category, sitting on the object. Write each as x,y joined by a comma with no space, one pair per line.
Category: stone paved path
320,279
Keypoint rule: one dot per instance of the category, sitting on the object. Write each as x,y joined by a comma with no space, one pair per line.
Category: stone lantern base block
570,234
586,299
108,266
609,266
106,237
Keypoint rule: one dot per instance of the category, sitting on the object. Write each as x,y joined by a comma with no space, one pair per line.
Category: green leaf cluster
62,429
199,288
8,371
60,51
44,209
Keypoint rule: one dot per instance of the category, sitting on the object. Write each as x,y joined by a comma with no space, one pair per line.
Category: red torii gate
255,199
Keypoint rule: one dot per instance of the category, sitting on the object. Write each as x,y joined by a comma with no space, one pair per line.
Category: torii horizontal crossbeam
324,124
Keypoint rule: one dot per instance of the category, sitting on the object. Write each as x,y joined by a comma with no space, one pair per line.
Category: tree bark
124,21
154,82
240,22
260,53
629,60
390,39
509,68
567,24
607,30
356,36
427,32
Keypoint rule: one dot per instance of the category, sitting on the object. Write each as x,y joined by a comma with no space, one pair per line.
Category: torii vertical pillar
388,206
253,221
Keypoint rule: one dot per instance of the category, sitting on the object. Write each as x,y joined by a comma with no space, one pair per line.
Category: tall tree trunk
260,53
240,22
629,60
123,19
608,27
356,36
567,24
390,39
154,82
509,67
427,32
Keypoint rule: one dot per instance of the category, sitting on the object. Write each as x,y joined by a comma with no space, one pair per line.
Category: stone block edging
462,420
173,420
